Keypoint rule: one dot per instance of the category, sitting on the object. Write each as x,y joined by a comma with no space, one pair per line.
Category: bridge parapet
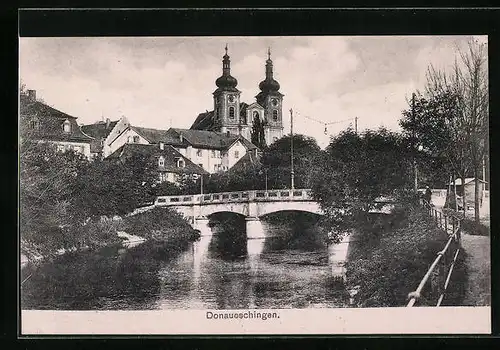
237,196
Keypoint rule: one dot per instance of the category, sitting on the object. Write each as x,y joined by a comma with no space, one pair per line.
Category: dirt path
478,284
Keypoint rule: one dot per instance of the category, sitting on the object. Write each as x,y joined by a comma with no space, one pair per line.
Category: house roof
211,139
249,160
99,131
51,122
458,181
170,154
157,135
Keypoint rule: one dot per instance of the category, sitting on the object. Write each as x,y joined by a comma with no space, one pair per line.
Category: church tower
227,100
272,100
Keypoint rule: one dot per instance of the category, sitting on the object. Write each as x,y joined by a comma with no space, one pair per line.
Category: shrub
160,224
390,267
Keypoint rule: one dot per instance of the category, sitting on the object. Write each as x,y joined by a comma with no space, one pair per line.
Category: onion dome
226,81
269,84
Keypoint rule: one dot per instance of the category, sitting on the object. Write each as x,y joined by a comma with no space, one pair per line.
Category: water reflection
290,268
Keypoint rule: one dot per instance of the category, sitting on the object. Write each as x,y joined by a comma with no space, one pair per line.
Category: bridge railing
441,269
236,196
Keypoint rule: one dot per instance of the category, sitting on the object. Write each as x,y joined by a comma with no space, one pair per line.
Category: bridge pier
254,228
201,223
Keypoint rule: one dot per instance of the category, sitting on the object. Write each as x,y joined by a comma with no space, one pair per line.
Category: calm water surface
290,268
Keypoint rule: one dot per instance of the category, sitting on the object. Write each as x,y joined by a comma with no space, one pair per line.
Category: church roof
205,121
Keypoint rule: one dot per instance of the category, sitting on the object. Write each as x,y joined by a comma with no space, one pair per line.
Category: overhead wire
324,123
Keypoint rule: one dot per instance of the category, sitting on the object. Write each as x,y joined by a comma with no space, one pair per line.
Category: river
290,268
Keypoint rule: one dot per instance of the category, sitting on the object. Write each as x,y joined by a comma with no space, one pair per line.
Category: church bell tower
227,99
272,100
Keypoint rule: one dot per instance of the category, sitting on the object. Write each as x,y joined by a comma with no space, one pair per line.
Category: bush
390,267
160,224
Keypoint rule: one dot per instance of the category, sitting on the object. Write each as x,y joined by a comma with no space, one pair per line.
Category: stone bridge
251,204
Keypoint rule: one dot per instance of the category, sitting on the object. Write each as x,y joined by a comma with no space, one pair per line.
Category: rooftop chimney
32,95
181,138
107,123
162,146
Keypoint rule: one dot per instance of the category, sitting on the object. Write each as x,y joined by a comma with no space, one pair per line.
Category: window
34,124
275,115
275,139
231,112
161,161
200,165
198,153
163,177
60,148
181,163
256,115
215,167
213,153
244,119
236,154
67,126
136,139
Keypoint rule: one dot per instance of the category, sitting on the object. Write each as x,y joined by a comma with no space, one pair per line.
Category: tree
458,117
257,134
277,159
426,125
116,187
356,170
47,188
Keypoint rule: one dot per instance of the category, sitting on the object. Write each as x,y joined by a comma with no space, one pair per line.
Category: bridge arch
302,206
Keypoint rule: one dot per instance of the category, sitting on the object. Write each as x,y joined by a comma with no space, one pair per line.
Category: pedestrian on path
427,194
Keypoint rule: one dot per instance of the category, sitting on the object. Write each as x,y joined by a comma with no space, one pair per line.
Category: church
261,122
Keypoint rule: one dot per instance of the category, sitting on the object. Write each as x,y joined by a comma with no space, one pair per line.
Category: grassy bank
390,264
160,224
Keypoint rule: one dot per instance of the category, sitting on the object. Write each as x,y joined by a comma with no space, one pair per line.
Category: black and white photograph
241,177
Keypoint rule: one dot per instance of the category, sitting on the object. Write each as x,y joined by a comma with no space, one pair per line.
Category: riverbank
158,224
389,265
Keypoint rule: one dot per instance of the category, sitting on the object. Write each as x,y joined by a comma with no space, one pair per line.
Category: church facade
260,122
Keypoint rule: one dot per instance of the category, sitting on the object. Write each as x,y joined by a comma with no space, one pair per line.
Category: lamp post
291,150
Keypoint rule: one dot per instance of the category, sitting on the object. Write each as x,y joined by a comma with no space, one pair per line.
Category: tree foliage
452,120
257,134
355,171
277,160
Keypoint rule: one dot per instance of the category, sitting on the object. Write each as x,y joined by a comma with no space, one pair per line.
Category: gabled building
239,118
47,124
105,133
213,151
170,164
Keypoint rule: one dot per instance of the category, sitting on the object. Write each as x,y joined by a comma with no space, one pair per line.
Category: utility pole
356,125
414,137
201,186
291,149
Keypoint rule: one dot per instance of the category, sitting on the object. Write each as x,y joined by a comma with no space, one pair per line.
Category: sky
163,82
